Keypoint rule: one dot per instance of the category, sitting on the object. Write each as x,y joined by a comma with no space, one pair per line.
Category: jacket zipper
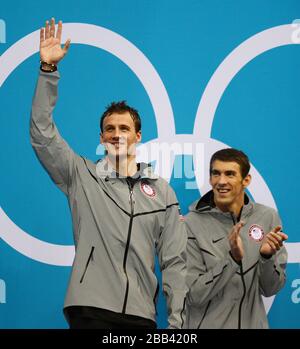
235,221
155,296
87,264
131,200
243,297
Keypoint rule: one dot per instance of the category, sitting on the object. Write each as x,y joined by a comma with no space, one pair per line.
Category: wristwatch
50,67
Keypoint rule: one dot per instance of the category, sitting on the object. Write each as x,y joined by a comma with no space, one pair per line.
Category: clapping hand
272,242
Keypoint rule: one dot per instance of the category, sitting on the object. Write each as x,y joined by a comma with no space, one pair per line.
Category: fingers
277,229
274,241
67,45
277,234
272,247
52,27
59,31
239,226
236,231
42,35
234,235
283,236
235,242
47,30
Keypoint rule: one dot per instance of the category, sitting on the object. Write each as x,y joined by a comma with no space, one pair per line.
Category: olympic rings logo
129,54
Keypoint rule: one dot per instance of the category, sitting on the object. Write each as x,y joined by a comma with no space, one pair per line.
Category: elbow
190,299
193,298
269,291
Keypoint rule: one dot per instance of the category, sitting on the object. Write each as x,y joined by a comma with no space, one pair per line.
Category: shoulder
162,183
265,210
196,222
266,215
85,162
164,187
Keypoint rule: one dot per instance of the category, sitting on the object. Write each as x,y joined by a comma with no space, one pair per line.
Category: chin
223,201
118,155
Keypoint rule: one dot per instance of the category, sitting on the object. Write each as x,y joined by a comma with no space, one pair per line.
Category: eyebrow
228,172
111,125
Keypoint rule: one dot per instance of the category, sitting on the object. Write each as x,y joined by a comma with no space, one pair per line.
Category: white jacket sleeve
51,149
272,271
172,259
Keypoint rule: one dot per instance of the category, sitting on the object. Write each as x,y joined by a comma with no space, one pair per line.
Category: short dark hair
234,155
121,108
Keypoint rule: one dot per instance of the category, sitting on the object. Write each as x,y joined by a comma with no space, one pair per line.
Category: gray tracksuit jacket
222,293
117,228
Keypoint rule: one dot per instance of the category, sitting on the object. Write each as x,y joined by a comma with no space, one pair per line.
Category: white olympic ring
104,39
120,47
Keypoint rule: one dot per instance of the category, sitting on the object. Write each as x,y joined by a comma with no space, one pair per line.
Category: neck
234,208
126,167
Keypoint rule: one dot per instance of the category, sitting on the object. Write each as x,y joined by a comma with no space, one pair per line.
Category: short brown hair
234,155
121,108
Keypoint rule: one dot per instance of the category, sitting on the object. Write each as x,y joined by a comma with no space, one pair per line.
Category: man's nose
222,179
116,133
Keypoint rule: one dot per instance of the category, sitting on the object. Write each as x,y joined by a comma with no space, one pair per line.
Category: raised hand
273,242
235,242
51,51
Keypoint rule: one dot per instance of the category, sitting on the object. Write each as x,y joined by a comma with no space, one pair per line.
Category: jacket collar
105,170
206,205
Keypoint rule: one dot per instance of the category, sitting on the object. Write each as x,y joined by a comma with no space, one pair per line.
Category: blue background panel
185,41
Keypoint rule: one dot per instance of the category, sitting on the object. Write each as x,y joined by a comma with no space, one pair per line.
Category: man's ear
101,138
138,136
247,180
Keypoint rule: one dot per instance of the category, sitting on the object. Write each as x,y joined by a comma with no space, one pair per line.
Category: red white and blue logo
256,232
147,189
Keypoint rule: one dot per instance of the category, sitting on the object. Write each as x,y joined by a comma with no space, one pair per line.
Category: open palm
50,44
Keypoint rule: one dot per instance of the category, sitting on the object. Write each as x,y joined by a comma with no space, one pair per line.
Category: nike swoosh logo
214,241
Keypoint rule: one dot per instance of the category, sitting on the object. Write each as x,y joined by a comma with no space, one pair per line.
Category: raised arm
53,152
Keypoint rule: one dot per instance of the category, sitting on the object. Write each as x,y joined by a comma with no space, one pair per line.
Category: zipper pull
131,196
